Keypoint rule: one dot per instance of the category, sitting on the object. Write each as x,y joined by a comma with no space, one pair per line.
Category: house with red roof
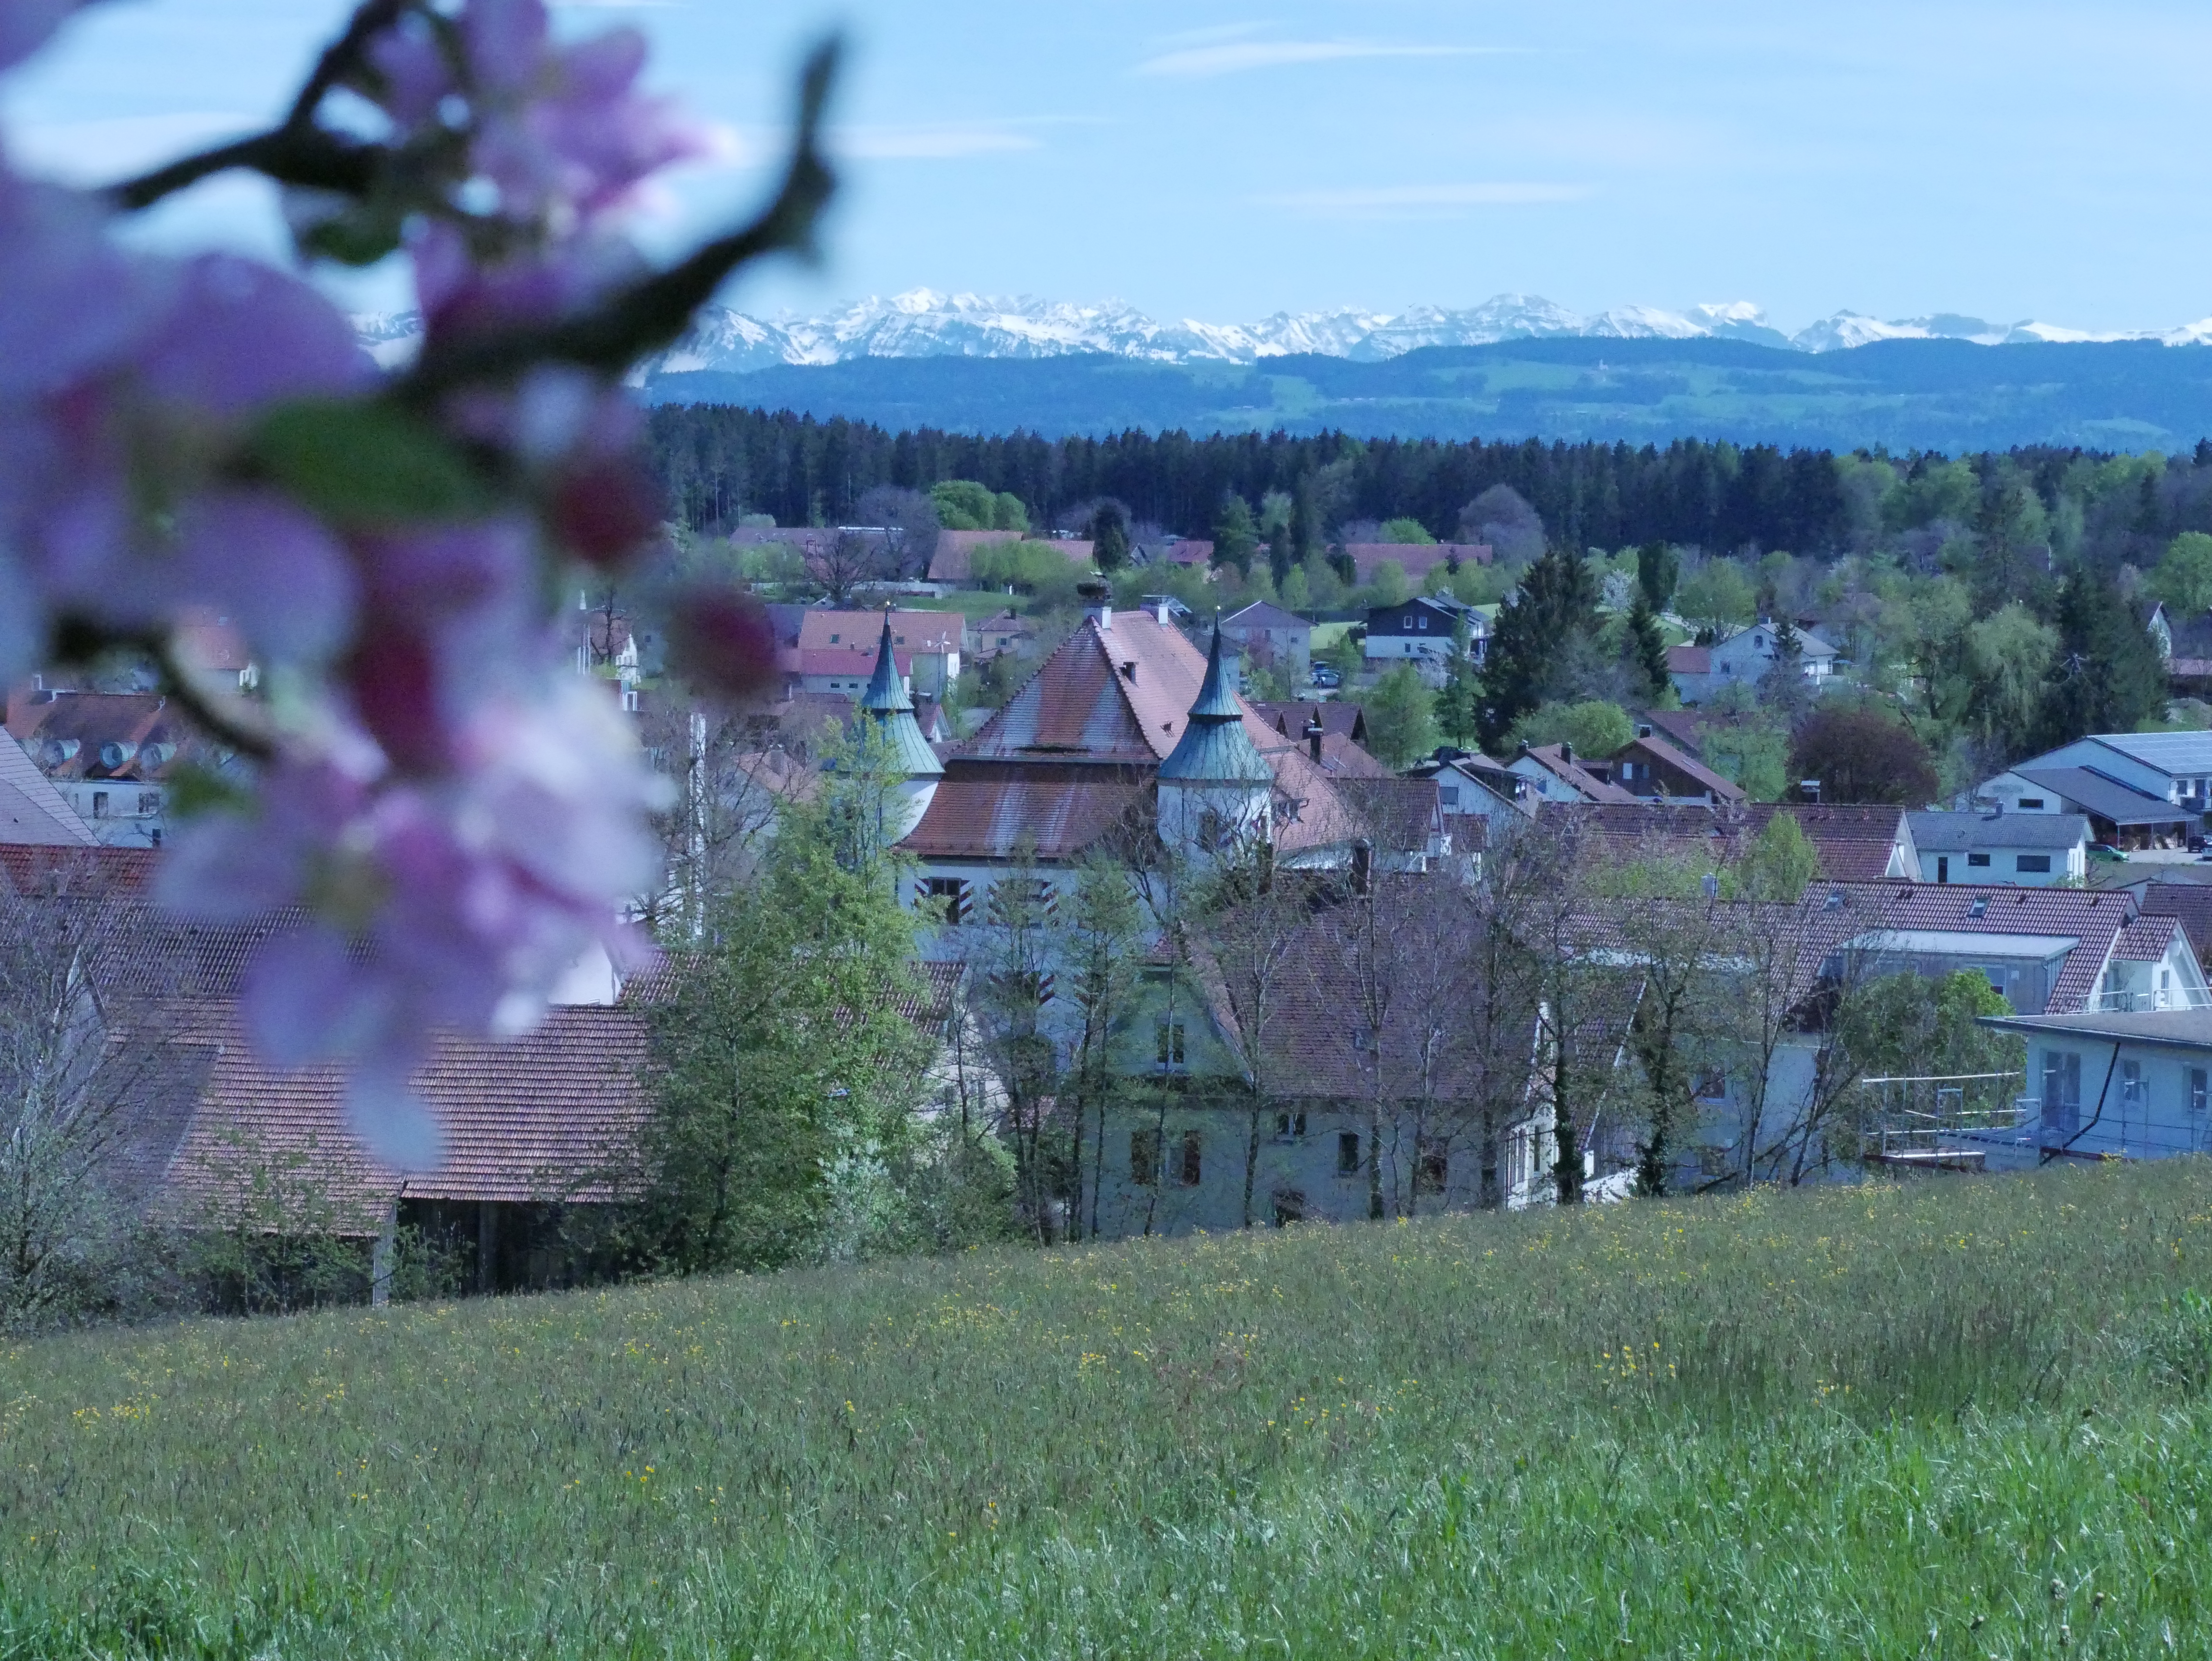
836,650
1078,758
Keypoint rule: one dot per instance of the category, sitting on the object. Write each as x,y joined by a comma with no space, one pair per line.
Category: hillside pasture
1955,1419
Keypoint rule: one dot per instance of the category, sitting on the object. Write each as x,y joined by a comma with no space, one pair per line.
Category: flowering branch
295,151
457,816
655,311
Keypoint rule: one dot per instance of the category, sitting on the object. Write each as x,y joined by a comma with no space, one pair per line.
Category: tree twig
655,311
295,151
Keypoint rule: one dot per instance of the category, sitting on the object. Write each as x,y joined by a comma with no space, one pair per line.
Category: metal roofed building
2138,789
2031,850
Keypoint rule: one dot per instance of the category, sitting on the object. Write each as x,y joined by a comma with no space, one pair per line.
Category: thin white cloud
928,143
1208,37
1419,201
1203,61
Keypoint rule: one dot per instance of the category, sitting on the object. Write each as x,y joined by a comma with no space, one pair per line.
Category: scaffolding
1940,1122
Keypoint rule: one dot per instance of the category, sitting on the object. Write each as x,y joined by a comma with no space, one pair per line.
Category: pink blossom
25,25
459,901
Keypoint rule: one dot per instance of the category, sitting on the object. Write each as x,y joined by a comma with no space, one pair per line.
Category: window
2031,803
1448,794
1347,1153
1192,1145
1290,1206
2131,1085
947,897
1144,1158
1434,1169
149,801
2200,1089
1425,622
1168,1035
1978,859
2032,862
1712,1085
2062,1092
1289,1127
99,804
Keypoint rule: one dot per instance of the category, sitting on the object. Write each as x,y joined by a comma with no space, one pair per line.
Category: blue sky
1226,161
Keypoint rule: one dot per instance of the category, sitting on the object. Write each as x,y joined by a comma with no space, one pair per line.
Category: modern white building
2028,850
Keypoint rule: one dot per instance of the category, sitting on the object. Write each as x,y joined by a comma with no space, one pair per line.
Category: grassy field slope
1954,1419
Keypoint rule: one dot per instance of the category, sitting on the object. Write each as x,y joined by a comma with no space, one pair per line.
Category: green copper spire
887,704
1214,747
886,694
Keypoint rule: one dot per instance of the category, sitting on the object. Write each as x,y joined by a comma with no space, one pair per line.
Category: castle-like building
1129,735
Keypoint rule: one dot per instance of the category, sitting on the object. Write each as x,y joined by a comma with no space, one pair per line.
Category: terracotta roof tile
2191,903
986,818
542,1117
1660,750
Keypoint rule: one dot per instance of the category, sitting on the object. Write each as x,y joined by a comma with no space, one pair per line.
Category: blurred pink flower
459,903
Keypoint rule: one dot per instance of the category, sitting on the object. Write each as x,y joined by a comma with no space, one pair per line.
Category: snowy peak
923,323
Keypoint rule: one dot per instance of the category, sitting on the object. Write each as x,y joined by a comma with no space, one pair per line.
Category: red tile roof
954,559
2146,939
1573,773
66,734
1335,716
1689,659
543,1116
1661,751
2190,902
986,818
2098,919
1415,559
1855,844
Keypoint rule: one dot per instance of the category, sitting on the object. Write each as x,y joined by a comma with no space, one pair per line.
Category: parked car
1325,676
2106,852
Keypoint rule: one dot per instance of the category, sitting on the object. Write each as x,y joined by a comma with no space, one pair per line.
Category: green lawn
1963,1419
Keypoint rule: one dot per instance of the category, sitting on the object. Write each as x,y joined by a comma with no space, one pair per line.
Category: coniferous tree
1110,537
1646,645
1541,633
1235,538
2107,677
1459,706
1658,569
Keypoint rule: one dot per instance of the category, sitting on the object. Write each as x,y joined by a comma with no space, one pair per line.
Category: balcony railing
2122,1001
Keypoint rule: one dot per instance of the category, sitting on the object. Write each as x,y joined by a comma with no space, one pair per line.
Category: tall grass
1958,1419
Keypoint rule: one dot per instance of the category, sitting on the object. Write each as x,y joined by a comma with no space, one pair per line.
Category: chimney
1810,788
1363,865
1163,610
1566,751
1314,736
1097,603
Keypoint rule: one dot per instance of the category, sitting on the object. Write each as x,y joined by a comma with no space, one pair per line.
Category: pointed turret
886,704
1215,748
1216,789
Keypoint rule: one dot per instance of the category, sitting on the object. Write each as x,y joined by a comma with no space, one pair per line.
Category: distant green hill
1908,395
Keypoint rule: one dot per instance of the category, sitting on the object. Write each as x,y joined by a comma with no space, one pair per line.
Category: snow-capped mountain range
927,324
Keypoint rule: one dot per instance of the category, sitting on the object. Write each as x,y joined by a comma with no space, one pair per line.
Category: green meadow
1955,1419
